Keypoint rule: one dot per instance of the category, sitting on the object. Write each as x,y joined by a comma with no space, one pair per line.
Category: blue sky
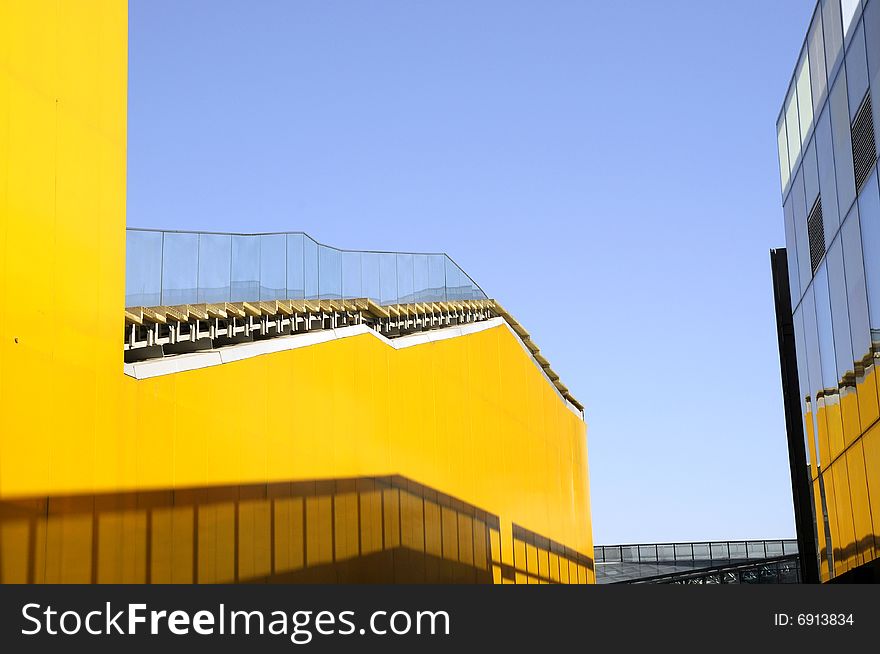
617,158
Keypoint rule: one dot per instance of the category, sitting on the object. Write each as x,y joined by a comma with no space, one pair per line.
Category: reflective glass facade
831,208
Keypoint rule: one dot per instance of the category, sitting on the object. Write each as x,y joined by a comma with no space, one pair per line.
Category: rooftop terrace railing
177,267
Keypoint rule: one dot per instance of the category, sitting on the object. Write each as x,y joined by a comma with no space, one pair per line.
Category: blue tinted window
840,128
856,71
872,45
827,174
839,310
825,328
869,218
833,29
799,209
811,174
814,365
816,49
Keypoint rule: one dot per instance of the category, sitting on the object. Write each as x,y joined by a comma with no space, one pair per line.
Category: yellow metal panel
319,530
849,411
822,544
371,521
833,526
869,409
822,426
843,505
346,525
871,446
860,506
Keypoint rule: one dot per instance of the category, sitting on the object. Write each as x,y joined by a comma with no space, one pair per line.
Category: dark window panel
816,234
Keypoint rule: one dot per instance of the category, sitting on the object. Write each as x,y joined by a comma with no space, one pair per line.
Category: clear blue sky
616,158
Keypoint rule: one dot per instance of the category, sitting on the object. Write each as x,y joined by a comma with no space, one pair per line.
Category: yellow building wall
192,476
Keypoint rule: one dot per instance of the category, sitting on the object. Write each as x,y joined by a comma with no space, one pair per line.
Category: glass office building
827,156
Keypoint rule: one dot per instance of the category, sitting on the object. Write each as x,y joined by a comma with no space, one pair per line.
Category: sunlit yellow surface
471,417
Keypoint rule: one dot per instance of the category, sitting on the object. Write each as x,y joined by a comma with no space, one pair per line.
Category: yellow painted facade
453,454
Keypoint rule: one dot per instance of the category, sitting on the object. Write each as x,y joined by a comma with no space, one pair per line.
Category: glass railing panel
191,267
245,269
720,551
370,285
296,274
774,548
701,552
329,273
405,278
387,278
453,283
756,550
352,282
310,267
180,268
421,290
612,554
215,268
665,553
684,552
273,267
737,550
437,277
647,553
143,268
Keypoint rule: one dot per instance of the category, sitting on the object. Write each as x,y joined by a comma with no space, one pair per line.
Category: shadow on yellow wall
362,530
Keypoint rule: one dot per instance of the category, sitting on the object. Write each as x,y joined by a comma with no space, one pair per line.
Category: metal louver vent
863,146
816,230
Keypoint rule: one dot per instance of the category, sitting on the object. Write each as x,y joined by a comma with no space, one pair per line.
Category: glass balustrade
171,268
